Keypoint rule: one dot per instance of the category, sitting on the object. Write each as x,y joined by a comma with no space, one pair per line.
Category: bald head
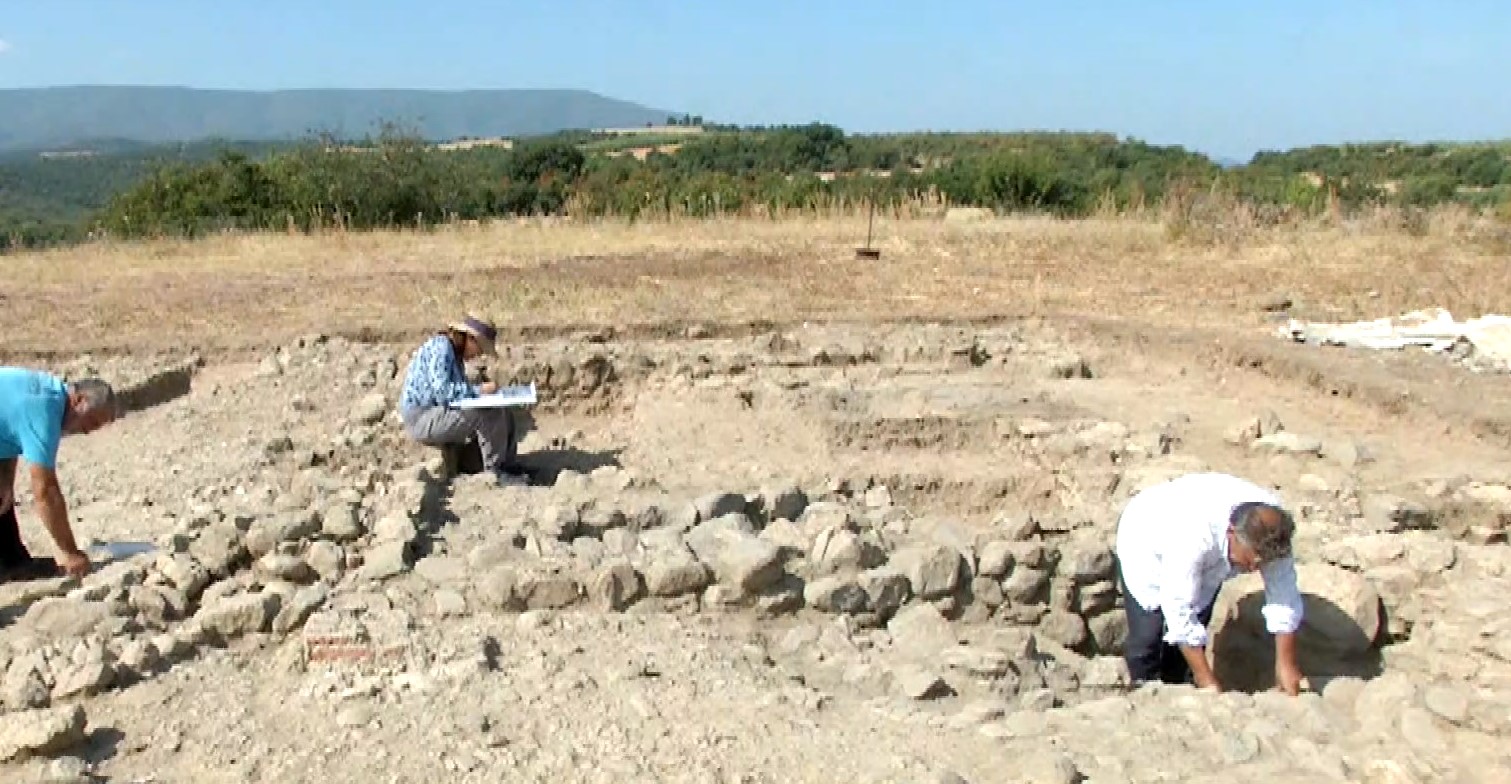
1264,528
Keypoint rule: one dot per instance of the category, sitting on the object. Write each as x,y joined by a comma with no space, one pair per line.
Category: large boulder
40,733
1339,634
736,555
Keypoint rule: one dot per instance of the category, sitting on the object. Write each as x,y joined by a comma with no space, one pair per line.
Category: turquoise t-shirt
31,415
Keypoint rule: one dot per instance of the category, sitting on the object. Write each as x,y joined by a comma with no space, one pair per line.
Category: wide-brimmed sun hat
481,329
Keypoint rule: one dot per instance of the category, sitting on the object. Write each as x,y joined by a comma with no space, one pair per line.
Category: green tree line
57,198
400,180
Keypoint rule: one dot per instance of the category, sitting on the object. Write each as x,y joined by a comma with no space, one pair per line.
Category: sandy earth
850,553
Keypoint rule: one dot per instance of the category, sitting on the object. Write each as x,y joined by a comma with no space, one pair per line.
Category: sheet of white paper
523,395
115,551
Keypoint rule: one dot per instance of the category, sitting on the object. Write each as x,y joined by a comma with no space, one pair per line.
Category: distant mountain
40,118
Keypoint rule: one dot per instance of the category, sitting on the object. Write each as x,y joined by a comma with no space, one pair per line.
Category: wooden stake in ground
868,252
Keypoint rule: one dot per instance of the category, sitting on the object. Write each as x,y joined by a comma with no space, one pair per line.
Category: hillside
132,189
46,197
37,118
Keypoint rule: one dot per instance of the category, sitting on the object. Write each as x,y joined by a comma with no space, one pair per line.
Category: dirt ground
795,517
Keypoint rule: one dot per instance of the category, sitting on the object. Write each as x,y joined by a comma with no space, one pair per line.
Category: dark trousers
13,551
16,562
1149,657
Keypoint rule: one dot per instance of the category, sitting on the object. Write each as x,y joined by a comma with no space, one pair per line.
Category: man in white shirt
1177,542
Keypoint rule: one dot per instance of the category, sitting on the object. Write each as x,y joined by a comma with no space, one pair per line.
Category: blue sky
1220,76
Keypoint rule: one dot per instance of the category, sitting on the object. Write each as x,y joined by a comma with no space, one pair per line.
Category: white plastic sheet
1487,338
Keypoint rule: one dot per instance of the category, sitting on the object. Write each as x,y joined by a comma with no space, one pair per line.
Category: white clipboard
519,395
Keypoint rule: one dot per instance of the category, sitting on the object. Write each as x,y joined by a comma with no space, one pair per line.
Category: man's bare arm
1287,670
1283,611
1201,672
53,509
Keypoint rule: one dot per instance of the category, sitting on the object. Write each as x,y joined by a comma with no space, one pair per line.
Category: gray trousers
497,435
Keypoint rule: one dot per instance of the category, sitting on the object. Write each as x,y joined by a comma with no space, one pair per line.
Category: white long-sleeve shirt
1172,545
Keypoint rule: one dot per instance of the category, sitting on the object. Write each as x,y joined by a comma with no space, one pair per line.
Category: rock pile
776,551
140,383
225,573
334,540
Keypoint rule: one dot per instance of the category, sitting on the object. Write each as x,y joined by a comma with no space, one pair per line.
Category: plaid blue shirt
435,376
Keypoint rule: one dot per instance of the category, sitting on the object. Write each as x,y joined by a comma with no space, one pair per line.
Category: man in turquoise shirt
36,410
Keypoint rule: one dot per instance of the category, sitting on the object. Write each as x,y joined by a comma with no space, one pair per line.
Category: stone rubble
338,552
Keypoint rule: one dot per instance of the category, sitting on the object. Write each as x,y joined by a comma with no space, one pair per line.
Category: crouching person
437,377
36,411
1177,543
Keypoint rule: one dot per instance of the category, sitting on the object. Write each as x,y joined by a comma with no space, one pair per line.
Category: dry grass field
239,291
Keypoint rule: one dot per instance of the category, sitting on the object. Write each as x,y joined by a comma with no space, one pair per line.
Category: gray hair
1265,527
97,394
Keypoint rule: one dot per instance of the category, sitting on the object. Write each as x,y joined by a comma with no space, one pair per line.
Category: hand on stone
75,564
1206,681
1288,678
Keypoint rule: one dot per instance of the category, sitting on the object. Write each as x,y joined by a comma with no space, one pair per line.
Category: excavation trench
956,476
915,517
